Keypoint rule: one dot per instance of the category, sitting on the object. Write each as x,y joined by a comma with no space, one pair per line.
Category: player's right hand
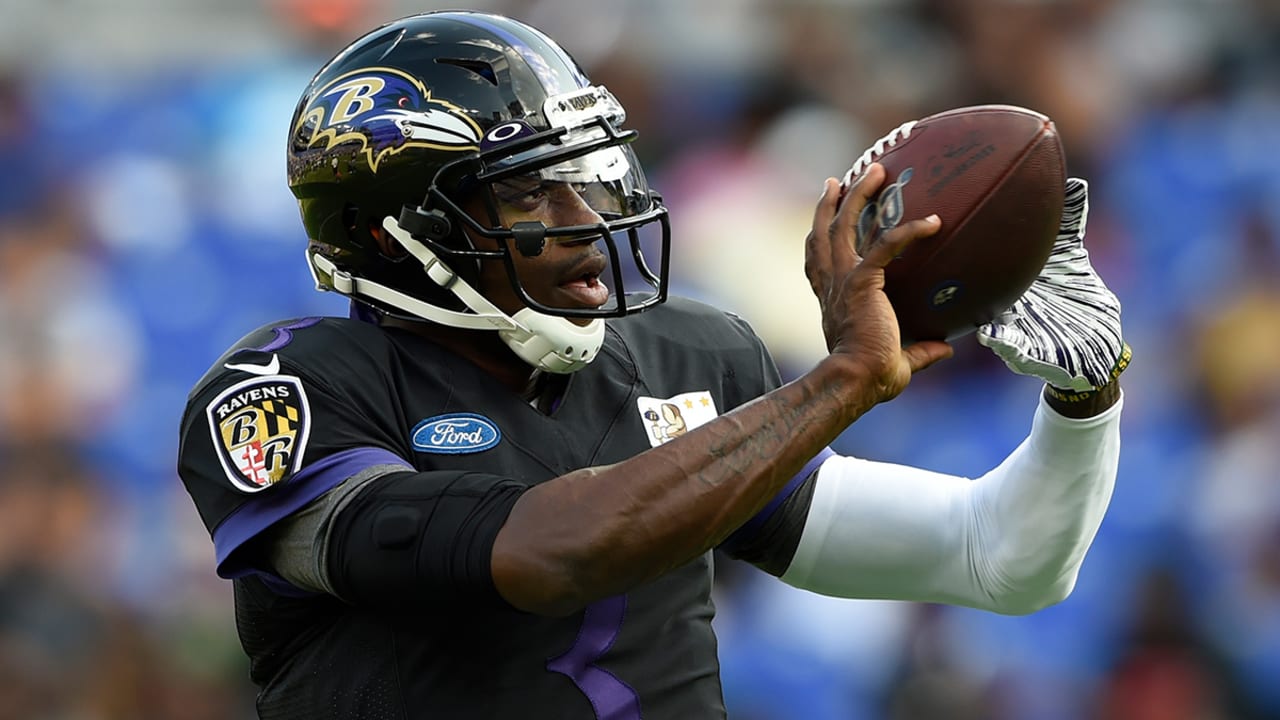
857,319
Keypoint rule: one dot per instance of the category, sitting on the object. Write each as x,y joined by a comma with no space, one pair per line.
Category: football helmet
401,149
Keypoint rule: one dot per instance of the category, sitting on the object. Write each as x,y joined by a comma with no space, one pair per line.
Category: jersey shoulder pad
685,344
688,322
318,346
253,412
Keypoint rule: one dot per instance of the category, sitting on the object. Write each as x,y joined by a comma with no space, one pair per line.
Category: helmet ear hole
386,244
370,237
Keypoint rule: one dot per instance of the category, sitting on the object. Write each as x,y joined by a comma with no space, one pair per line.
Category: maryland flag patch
260,428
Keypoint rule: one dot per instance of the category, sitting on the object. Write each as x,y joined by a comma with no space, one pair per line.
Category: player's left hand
1065,329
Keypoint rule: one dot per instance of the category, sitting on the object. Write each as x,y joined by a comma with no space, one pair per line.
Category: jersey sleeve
262,439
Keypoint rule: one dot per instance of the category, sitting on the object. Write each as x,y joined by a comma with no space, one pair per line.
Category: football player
493,491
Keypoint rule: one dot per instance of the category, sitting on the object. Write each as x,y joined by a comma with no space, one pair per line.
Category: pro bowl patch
260,428
666,419
455,434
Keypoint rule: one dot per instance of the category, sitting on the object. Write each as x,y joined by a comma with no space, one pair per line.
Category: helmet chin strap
546,342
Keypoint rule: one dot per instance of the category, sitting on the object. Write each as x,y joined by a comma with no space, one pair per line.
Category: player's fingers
843,230
864,187
824,213
895,242
817,249
925,353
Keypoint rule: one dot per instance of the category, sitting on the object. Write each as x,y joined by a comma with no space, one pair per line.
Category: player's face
566,273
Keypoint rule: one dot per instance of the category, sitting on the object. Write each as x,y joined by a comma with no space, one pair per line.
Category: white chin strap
549,343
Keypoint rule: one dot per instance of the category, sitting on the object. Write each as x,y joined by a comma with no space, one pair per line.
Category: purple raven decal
386,111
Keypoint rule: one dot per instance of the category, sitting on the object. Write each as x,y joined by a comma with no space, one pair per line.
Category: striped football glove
1065,329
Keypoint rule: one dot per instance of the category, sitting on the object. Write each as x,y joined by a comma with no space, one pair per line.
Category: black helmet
422,116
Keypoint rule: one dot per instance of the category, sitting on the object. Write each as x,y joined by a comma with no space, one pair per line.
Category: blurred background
145,225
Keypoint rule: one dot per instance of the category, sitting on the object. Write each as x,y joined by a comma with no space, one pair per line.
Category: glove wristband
1067,396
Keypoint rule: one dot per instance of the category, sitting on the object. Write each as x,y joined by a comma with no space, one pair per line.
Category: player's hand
857,319
1065,329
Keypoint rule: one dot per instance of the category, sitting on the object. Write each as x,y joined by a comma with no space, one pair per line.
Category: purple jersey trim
262,511
280,586
284,334
610,697
752,526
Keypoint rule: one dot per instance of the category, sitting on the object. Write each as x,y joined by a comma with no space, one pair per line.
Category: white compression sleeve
1011,541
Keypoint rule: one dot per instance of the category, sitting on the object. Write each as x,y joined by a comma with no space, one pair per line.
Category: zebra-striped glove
1065,329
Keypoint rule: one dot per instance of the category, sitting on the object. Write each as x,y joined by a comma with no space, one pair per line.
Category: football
995,175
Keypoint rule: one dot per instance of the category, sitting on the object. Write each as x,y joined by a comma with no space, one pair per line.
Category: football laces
874,152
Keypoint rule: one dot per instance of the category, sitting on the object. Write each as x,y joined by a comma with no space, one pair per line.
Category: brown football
995,175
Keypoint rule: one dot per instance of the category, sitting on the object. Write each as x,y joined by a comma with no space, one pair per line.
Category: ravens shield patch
260,428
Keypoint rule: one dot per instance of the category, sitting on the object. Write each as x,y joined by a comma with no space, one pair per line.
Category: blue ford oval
456,433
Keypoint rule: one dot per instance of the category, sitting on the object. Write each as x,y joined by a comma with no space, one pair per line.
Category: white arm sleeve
1011,541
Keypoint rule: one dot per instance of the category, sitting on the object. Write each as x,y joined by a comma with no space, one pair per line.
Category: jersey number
611,698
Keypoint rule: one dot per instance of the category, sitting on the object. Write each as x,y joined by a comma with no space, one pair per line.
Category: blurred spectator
70,349
50,620
78,351
741,203
1166,670
1235,513
935,682
23,182
68,649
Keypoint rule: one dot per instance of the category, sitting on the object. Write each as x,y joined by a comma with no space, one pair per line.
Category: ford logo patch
458,433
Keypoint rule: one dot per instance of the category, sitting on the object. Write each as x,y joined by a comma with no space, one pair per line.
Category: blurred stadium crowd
145,225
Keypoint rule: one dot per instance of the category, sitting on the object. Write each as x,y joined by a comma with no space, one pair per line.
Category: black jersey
297,407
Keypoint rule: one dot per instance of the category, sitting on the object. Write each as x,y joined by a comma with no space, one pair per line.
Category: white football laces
873,153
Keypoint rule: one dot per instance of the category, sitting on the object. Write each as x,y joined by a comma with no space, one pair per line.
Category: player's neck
482,348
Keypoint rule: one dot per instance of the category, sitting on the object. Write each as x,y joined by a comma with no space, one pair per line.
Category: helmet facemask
480,196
